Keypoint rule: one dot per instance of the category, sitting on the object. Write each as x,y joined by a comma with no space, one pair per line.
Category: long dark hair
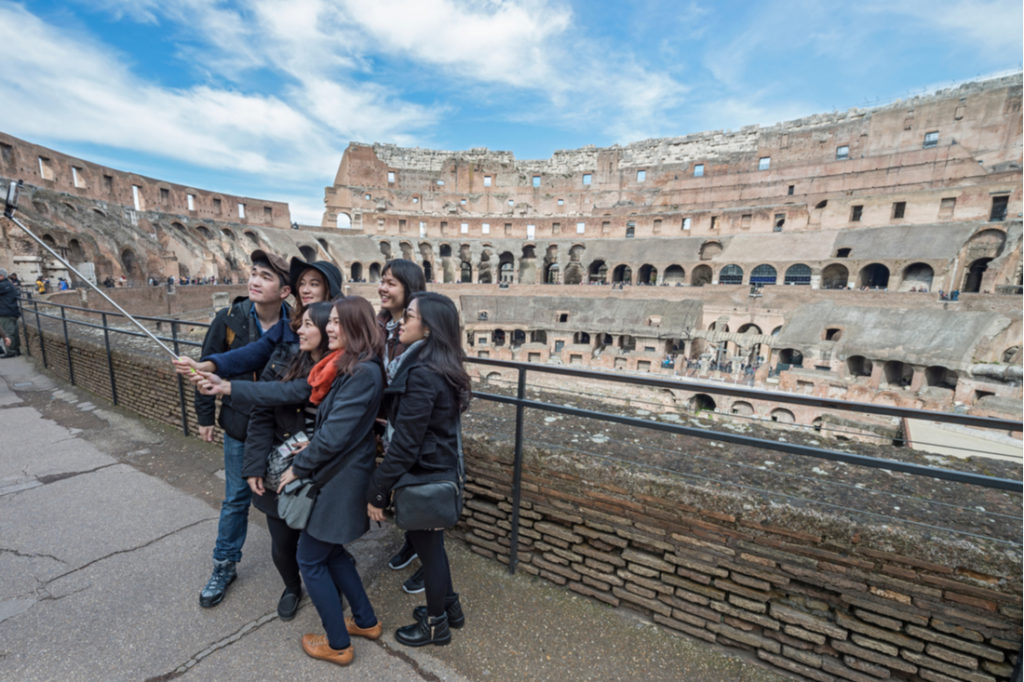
408,274
363,338
442,347
303,361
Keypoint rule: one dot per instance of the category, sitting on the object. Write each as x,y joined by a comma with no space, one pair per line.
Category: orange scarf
322,376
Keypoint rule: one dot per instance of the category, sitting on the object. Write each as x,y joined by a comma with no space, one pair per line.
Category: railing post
39,330
517,474
67,344
110,358
181,384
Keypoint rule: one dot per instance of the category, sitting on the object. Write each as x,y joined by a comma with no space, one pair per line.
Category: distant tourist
10,311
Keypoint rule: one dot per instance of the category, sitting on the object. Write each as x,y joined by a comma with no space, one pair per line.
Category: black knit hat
330,271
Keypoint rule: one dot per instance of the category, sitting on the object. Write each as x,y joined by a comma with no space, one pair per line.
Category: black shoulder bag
430,501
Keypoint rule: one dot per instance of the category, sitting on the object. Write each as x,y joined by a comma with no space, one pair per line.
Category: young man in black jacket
10,311
244,321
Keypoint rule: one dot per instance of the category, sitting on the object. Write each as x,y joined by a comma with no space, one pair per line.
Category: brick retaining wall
820,597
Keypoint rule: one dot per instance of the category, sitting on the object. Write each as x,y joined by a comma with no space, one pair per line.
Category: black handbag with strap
430,501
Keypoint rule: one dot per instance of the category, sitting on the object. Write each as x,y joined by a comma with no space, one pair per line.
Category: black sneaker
288,604
414,585
223,575
403,558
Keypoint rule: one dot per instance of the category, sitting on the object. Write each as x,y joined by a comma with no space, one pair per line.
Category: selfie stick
12,204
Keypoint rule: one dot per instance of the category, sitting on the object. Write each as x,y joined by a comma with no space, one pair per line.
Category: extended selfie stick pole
12,204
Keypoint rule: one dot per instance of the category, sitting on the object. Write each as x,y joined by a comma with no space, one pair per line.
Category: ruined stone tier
953,156
50,169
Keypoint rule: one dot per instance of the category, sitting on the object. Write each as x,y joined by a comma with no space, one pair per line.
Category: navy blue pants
328,569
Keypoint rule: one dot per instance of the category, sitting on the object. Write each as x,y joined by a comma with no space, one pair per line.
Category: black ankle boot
452,608
427,631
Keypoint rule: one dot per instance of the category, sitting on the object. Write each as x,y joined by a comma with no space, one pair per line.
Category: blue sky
261,98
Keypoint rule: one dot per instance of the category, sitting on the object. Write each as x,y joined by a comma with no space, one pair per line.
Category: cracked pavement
107,523
106,529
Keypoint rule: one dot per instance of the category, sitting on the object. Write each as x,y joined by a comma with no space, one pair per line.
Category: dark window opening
999,204
899,208
791,189
821,204
843,253
931,139
856,212
833,334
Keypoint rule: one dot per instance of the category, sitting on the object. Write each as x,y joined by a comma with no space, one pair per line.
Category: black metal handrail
521,403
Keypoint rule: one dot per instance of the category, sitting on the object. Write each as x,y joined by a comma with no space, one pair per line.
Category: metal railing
521,404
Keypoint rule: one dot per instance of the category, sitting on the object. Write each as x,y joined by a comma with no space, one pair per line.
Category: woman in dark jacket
346,385
428,388
270,427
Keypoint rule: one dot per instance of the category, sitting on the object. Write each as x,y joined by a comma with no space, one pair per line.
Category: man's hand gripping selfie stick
12,204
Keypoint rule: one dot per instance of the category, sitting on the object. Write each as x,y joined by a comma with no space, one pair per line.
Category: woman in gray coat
346,385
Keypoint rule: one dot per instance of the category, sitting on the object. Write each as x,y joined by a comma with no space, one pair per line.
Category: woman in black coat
346,385
428,388
270,427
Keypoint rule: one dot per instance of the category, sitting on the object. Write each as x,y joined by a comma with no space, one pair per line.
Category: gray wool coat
344,429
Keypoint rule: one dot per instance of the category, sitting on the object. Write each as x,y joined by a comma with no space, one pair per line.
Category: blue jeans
327,569
234,510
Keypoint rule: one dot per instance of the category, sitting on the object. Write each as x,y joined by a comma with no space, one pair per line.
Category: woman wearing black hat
311,283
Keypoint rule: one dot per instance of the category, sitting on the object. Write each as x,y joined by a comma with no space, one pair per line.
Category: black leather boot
427,631
452,608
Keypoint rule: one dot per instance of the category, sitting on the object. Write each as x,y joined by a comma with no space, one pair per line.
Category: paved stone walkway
106,528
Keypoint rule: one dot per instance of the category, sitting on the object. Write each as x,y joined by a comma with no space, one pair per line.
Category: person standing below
428,389
399,280
10,311
244,321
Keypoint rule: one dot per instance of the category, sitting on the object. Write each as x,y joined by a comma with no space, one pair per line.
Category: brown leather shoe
373,632
317,647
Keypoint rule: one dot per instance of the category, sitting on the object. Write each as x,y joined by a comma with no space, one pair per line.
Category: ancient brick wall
821,597
817,597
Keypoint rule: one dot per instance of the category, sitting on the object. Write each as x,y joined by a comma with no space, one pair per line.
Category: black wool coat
423,408
344,431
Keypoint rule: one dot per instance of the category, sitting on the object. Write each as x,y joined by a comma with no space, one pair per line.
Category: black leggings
284,542
437,576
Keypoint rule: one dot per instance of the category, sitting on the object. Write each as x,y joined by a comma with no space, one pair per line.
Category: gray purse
295,502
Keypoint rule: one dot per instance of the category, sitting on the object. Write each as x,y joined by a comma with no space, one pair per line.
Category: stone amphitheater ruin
807,256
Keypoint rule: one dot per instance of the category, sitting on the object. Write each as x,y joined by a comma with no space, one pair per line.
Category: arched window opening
356,272
702,401
466,273
343,221
598,272
975,273
798,275
203,230
701,275
917,277
506,268
874,276
742,408
835,276
538,336
518,338
648,274
898,373
375,272
308,253
622,274
498,338
446,250
674,274
763,275
130,263
859,366
749,328
731,274
582,338
940,376
791,357
782,416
